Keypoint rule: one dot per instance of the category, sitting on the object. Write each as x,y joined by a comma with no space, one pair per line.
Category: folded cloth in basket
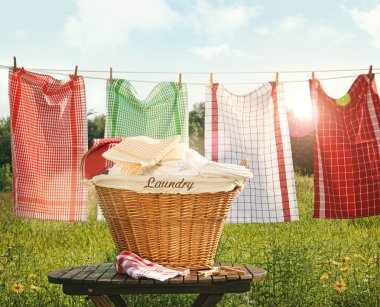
93,162
135,153
136,267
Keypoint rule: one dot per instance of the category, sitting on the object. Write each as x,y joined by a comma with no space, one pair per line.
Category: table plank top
105,274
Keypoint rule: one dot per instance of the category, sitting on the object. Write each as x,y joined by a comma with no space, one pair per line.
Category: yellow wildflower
17,288
345,258
340,286
344,269
35,288
333,262
32,276
324,277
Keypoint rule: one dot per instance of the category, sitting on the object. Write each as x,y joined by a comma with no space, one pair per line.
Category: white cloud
222,20
262,31
101,23
291,23
216,51
321,33
369,22
20,33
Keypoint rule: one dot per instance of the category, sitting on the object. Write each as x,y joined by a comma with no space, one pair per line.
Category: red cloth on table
347,151
93,162
48,138
136,267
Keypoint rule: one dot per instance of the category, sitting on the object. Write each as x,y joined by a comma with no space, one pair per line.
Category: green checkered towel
161,115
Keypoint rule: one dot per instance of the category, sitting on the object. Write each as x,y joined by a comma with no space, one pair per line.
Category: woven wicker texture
174,230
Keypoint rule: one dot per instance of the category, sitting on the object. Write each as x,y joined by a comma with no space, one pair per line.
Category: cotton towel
254,127
136,267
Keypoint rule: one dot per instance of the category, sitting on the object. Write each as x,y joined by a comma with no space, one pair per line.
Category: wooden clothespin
180,80
370,74
312,75
277,77
14,63
76,72
211,79
111,75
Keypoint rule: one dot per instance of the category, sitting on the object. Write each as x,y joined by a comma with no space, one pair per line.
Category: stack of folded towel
152,157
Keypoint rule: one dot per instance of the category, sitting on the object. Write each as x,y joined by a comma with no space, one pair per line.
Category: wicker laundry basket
175,230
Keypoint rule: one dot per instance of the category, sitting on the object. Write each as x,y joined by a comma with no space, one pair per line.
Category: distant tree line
302,148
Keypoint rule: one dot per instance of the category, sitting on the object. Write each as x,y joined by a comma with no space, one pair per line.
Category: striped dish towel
141,150
347,151
49,138
134,266
254,127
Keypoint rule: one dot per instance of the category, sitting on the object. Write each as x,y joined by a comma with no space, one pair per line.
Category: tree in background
95,127
5,155
197,127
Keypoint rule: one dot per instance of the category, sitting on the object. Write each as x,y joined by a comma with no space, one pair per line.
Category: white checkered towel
254,127
134,266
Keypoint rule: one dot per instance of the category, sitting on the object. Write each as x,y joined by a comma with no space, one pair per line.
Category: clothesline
57,72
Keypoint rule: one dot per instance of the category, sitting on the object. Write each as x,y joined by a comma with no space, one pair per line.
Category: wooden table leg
117,300
207,300
99,300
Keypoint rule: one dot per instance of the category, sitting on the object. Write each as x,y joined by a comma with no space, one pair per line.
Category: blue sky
159,35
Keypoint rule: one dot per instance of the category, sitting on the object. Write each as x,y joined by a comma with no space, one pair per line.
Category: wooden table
100,280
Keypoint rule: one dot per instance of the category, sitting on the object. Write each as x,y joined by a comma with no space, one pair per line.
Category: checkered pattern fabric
346,151
254,127
49,138
141,149
162,114
136,267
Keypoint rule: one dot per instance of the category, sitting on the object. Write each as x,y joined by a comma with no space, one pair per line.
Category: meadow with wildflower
310,263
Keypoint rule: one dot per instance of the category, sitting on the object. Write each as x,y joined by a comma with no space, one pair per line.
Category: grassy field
309,263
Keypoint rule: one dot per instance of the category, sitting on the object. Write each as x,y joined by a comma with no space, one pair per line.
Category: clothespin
110,74
76,72
179,80
14,63
312,75
277,77
211,79
370,74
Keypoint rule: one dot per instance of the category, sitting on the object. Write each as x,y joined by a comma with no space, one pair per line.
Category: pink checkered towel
49,138
134,266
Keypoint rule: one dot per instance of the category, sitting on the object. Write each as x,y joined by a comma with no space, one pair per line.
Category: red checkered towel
93,162
347,151
48,138
254,126
134,266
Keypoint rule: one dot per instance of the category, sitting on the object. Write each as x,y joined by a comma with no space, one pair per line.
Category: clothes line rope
201,72
55,71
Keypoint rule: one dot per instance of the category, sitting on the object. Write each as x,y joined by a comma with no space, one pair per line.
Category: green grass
294,254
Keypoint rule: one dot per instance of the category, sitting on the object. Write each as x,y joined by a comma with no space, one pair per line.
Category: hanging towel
346,151
93,162
48,138
136,267
161,115
254,127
